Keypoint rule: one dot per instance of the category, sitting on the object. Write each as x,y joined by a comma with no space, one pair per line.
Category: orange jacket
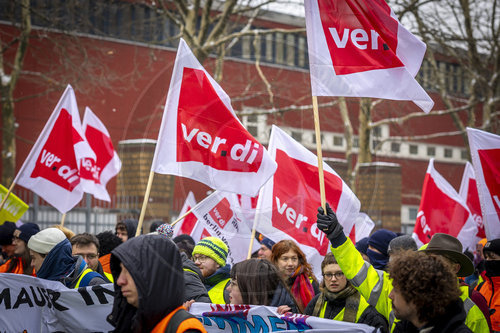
104,260
18,269
490,289
187,324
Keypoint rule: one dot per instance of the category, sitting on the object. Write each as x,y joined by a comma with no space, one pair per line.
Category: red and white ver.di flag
468,191
288,203
485,153
201,138
95,174
220,215
186,225
362,228
51,169
358,48
443,210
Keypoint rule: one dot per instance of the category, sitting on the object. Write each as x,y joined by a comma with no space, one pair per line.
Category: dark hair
185,243
108,241
154,225
257,280
329,260
85,239
286,245
425,280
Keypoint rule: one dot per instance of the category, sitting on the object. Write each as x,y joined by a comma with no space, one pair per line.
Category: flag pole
319,153
249,255
145,203
4,200
62,219
183,216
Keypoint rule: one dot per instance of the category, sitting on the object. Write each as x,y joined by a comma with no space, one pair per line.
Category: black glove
330,226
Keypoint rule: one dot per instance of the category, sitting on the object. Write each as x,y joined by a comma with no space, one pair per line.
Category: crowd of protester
383,281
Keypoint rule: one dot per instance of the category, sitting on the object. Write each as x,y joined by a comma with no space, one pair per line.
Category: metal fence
90,215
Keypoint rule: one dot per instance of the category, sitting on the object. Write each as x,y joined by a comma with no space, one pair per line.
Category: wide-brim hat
450,247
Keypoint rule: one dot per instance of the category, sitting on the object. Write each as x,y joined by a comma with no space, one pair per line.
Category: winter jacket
375,286
283,297
156,267
108,277
60,265
17,269
216,285
194,288
490,289
131,226
367,314
104,260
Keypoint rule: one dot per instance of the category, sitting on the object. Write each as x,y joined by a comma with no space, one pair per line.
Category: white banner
29,304
250,318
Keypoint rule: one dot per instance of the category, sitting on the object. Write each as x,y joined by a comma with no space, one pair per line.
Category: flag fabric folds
200,136
287,204
468,192
95,174
443,210
187,224
51,169
485,153
358,48
363,226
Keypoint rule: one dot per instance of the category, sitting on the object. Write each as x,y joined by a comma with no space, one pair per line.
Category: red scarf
302,289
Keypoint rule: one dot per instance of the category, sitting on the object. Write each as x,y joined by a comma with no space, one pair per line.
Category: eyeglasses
89,256
337,275
201,258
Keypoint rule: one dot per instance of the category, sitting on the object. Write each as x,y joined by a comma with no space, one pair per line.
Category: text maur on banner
358,48
51,169
485,153
442,210
288,203
95,174
220,214
468,192
187,224
200,136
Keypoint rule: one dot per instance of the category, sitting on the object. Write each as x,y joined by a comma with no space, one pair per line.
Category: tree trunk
364,155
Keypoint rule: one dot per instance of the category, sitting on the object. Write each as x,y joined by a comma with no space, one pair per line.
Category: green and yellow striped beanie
214,248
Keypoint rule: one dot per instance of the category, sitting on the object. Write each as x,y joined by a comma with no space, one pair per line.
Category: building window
269,47
412,214
246,47
395,147
302,51
355,142
314,138
338,141
431,151
290,50
376,144
251,123
377,131
413,149
297,136
448,152
280,50
463,154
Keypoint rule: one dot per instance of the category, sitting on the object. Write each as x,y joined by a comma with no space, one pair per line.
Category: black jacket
369,317
194,288
156,267
453,321
283,297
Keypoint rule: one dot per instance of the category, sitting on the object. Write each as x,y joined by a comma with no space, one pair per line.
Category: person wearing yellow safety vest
339,300
210,255
52,259
375,285
87,246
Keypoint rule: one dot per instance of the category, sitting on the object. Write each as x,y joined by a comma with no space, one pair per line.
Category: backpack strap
176,320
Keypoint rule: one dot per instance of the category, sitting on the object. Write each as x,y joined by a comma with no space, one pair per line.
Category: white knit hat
45,240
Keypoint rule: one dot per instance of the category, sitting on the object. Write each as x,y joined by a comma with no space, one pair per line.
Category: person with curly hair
339,300
297,272
425,294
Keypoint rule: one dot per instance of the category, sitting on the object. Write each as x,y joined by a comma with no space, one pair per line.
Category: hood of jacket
59,262
155,265
71,279
219,275
131,226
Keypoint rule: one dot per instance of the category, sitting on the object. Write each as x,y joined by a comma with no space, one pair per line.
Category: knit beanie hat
28,230
267,243
166,230
45,240
381,239
7,233
492,246
214,248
